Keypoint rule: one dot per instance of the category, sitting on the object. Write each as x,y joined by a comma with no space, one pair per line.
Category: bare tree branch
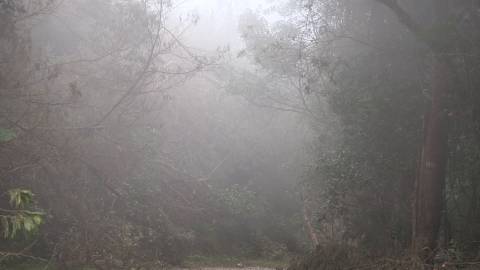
407,20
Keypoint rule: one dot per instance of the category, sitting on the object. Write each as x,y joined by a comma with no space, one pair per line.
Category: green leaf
37,219
21,219
7,135
15,221
5,225
28,224
20,198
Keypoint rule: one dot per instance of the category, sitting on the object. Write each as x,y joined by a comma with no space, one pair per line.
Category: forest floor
208,263
191,263
227,268
42,267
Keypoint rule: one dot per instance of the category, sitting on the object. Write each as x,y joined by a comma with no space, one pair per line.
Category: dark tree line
120,148
399,80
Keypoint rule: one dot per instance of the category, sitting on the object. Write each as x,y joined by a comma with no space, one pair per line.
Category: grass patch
196,261
27,266
36,266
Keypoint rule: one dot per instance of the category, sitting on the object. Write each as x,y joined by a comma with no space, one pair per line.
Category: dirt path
226,268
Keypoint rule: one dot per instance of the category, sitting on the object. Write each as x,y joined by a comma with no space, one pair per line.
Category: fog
217,24
255,134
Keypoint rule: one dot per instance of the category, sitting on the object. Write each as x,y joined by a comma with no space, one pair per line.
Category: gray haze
273,134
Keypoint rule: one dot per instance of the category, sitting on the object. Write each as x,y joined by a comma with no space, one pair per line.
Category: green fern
19,218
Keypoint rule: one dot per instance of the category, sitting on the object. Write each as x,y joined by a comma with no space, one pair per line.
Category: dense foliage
349,126
115,154
373,71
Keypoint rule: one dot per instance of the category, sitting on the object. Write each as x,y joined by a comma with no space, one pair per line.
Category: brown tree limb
407,21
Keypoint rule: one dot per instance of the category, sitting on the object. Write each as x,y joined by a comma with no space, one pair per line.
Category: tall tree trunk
428,201
430,181
429,184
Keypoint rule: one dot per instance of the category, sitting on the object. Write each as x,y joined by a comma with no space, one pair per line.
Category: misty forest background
140,134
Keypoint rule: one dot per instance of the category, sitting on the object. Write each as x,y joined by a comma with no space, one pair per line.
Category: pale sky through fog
218,21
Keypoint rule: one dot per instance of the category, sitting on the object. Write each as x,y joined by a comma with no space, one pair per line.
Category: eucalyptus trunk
428,200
